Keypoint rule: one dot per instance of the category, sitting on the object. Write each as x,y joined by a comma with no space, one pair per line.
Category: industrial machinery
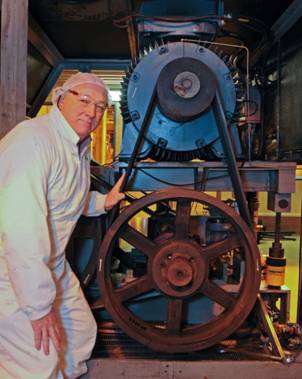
178,269
189,80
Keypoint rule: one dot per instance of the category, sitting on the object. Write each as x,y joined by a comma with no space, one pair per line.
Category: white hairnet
75,80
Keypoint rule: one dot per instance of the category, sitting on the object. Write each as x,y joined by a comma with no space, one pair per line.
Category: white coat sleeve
24,228
95,204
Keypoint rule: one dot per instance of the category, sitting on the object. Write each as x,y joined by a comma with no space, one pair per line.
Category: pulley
197,309
185,88
182,125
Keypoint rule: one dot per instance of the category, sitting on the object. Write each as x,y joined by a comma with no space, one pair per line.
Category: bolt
187,83
163,50
220,350
135,77
135,116
288,359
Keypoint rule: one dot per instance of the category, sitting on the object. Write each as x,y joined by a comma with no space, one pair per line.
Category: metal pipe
299,310
278,101
277,227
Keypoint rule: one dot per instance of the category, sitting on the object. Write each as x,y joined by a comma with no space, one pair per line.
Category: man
46,327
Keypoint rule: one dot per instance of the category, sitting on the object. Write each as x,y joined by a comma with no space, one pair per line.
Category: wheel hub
186,84
178,268
178,274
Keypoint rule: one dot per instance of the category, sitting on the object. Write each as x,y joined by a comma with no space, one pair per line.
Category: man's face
83,108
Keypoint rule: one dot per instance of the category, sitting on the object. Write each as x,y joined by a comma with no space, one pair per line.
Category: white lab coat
44,188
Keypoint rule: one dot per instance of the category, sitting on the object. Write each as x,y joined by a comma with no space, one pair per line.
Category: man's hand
46,328
114,196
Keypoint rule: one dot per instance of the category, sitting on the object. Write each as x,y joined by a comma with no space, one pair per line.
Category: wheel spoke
135,288
138,240
218,294
182,218
219,248
180,274
175,315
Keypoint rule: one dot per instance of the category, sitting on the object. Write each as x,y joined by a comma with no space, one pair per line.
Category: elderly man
46,327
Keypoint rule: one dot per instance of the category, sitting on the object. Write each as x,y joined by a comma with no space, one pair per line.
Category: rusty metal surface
178,268
185,88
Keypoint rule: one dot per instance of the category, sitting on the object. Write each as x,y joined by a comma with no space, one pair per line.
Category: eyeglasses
86,100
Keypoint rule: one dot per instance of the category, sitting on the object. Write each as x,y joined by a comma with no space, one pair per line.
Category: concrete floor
156,369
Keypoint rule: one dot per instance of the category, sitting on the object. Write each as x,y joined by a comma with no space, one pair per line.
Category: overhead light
115,95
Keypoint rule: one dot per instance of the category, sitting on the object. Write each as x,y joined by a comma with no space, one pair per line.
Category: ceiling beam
39,39
287,20
45,91
131,31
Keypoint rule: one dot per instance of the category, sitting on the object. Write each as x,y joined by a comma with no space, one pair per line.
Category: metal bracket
262,312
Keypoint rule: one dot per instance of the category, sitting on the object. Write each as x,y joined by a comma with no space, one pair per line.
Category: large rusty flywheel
178,303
